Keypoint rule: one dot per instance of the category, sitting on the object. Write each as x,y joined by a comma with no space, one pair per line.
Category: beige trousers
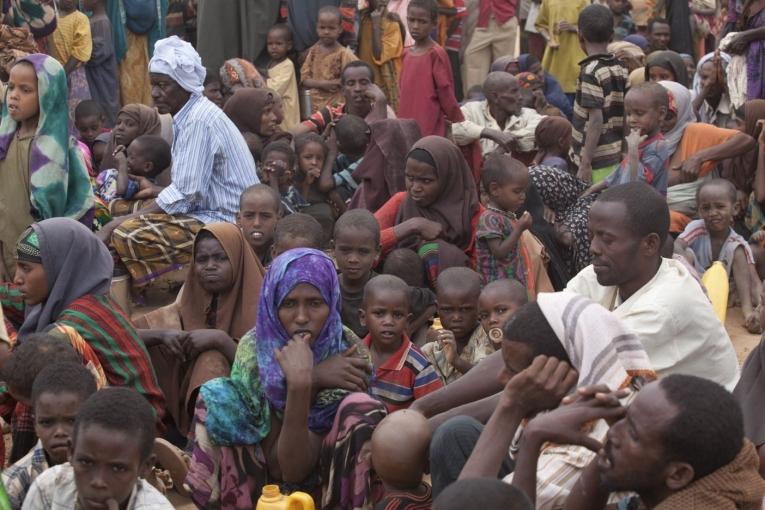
487,45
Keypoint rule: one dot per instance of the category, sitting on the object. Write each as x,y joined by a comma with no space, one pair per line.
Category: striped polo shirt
602,84
404,377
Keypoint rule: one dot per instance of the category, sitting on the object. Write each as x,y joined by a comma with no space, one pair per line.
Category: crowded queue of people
373,252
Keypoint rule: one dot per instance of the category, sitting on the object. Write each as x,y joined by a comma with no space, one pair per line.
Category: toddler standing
380,45
325,61
426,84
498,236
281,73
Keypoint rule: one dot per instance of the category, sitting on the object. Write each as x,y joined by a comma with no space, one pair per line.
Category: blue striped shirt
212,165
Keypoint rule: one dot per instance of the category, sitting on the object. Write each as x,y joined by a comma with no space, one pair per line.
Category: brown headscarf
148,124
741,169
238,308
549,132
245,108
381,172
457,202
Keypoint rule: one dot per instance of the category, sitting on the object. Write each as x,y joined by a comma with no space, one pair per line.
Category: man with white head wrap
211,168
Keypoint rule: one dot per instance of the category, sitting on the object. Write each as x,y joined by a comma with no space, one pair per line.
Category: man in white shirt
499,119
657,299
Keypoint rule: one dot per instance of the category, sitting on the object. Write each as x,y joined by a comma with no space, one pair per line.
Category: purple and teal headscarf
239,407
57,172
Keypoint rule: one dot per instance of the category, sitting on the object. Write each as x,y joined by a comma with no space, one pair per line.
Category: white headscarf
685,114
179,60
724,60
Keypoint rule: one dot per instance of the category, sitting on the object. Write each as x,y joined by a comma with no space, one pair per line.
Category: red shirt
502,10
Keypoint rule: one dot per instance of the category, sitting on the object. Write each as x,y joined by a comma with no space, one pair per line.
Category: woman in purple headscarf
252,426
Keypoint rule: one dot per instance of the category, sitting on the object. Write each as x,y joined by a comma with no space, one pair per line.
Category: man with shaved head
499,120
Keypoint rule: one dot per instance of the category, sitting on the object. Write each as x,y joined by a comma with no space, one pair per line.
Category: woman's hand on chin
296,360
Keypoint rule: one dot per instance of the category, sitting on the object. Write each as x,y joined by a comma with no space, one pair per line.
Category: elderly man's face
168,96
508,98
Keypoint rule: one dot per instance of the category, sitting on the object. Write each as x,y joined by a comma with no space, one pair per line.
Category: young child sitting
645,108
281,73
711,238
278,171
407,265
213,88
352,135
499,232
314,167
399,457
496,305
462,342
110,453
138,166
260,208
426,83
57,395
356,248
297,231
325,61
89,120
402,372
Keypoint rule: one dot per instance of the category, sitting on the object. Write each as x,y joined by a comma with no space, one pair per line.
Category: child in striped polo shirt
402,373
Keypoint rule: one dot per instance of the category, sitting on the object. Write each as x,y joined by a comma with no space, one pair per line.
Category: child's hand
146,188
120,156
525,221
296,361
585,172
272,169
761,138
448,344
634,139
375,93
428,229
565,26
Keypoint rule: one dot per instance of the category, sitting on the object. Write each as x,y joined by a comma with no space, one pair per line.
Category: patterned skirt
232,477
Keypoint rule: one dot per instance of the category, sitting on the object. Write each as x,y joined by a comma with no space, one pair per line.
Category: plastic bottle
272,499
715,280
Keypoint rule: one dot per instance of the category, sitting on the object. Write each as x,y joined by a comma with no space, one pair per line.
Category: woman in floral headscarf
237,73
249,427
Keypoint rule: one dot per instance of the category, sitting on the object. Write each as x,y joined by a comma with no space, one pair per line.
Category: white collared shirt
673,319
478,118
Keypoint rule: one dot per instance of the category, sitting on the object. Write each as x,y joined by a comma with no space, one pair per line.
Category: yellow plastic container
715,280
272,499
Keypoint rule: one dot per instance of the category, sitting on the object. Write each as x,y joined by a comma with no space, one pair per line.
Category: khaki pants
487,45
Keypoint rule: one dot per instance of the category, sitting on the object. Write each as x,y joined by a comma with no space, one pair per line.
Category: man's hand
564,424
540,386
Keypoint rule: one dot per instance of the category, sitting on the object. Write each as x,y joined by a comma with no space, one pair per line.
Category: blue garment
212,165
555,96
653,165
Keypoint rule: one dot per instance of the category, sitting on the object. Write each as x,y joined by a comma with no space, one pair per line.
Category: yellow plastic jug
272,499
715,280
